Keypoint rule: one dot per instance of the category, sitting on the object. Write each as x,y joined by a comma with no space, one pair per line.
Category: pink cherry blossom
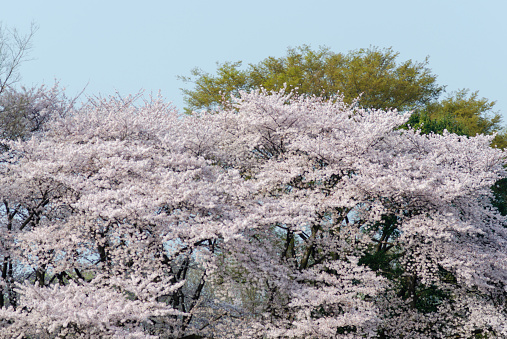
123,219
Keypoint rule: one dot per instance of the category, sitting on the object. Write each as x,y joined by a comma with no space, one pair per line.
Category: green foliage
422,122
500,195
469,110
374,74
381,80
210,91
465,113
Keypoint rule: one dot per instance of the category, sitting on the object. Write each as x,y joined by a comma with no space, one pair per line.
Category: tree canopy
129,221
373,75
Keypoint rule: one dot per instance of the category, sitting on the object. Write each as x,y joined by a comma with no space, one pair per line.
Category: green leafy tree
474,115
373,74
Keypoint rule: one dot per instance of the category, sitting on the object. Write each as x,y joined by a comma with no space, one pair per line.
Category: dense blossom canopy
283,216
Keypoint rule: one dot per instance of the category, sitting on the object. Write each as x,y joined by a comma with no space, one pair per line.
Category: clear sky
129,45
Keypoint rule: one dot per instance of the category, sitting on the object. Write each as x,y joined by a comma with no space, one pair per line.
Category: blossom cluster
280,216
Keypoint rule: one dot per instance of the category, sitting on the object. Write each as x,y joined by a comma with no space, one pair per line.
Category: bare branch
14,50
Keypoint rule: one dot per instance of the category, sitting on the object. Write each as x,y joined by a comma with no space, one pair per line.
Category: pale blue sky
132,45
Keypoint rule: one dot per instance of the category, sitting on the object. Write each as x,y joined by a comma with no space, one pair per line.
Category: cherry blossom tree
115,212
25,111
366,230
283,216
